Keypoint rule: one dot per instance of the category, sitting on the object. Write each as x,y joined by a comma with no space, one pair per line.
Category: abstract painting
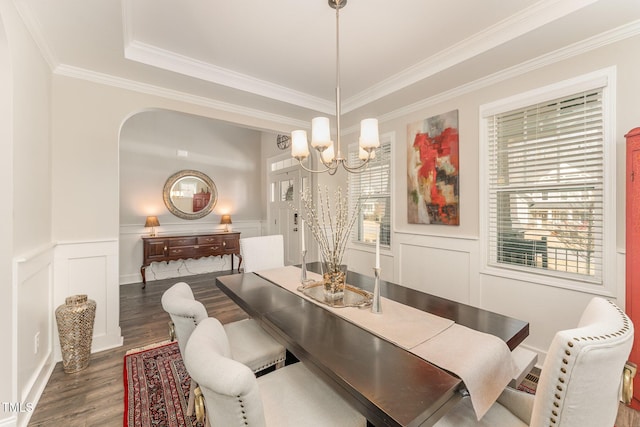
433,170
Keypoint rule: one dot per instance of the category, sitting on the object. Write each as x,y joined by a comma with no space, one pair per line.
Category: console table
177,247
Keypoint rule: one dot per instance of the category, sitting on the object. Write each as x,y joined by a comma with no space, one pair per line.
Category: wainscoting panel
33,326
437,271
90,268
438,265
363,259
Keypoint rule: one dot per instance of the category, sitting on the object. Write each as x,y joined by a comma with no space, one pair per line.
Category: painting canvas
433,170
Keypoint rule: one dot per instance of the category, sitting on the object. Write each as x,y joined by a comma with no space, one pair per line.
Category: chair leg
191,407
172,331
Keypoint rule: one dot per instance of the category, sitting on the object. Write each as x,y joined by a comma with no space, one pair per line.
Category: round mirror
190,194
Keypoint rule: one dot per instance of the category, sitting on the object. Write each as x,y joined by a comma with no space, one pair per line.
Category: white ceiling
278,56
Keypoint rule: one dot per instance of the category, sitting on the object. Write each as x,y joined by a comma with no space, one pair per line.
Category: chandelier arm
357,169
327,168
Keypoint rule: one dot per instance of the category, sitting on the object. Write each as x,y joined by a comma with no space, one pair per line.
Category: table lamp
152,221
226,220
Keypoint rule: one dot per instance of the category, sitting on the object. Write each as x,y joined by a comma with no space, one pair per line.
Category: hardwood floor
95,396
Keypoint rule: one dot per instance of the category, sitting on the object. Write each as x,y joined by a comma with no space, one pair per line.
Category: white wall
7,382
229,155
25,217
87,118
445,260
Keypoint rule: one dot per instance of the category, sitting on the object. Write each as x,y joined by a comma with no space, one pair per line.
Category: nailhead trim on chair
244,414
275,362
565,361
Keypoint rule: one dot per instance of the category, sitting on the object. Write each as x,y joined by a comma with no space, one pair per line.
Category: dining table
387,383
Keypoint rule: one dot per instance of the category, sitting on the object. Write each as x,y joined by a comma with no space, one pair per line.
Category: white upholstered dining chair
262,252
291,396
249,343
580,380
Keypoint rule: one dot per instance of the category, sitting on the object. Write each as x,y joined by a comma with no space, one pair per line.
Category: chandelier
329,154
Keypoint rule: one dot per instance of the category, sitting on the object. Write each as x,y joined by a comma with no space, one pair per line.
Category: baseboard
127,279
36,390
106,342
11,421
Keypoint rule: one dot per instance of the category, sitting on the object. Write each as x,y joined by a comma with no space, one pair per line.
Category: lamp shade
152,221
369,134
299,144
225,219
364,155
328,154
320,132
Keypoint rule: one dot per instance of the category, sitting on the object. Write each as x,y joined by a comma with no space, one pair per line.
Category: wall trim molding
148,89
532,17
613,36
25,268
73,273
164,59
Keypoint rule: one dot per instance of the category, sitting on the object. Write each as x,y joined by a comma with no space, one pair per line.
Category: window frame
606,80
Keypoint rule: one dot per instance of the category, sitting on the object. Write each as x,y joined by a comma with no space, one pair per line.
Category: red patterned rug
530,382
156,387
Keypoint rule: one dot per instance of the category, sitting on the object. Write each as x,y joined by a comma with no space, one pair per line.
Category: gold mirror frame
170,203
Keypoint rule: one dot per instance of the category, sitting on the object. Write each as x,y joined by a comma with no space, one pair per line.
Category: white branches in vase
330,223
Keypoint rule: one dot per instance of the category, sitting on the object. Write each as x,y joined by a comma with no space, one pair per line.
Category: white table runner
482,361
400,324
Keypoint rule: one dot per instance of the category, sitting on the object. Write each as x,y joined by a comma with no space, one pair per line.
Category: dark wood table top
389,385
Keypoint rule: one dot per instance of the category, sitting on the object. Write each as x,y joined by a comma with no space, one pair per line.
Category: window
546,203
372,188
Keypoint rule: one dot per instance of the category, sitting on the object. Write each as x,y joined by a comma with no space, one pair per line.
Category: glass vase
334,278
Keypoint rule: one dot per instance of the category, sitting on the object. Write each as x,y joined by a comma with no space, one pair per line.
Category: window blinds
372,189
546,174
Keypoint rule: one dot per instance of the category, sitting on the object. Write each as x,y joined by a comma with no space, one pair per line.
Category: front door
285,187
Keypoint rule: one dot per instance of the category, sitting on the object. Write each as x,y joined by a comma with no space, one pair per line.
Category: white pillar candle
378,248
302,234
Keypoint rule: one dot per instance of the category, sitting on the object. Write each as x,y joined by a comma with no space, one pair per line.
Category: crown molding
109,80
528,19
618,34
542,12
167,60
533,17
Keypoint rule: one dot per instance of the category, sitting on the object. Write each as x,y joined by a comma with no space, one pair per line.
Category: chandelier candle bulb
299,145
302,235
320,133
